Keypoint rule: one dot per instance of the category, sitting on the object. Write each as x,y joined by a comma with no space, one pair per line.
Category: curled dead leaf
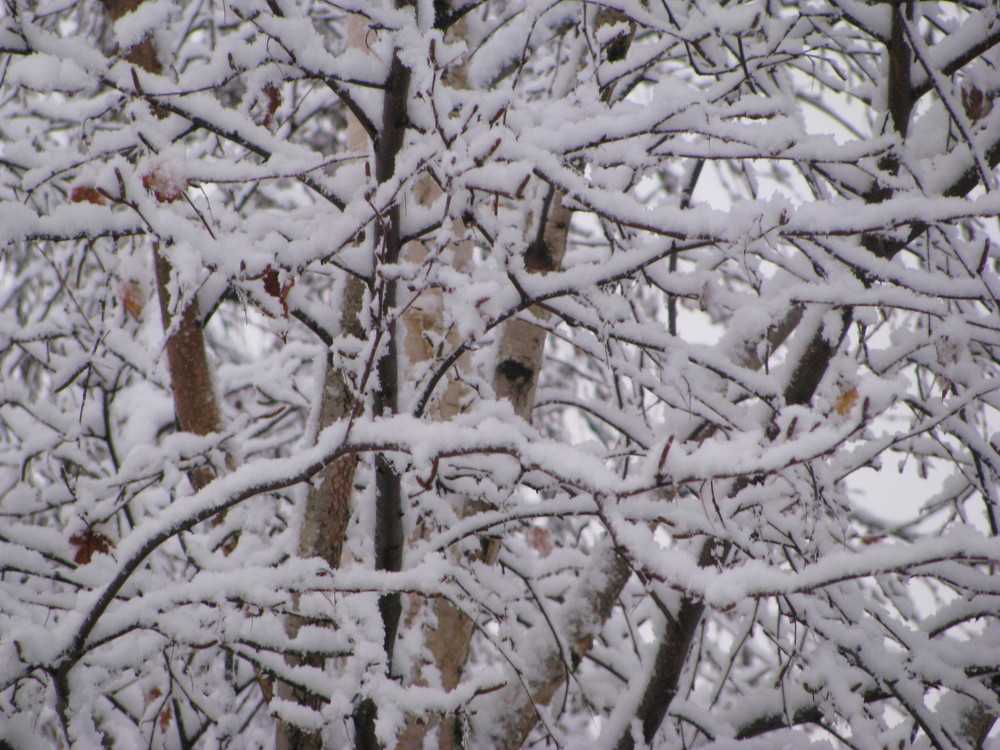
273,96
977,105
275,287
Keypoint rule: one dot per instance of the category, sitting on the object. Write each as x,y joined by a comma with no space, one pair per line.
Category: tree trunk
515,378
389,539
190,377
326,518
678,635
328,502
187,357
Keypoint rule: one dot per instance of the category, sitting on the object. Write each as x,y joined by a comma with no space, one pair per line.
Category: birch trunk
519,706
326,518
515,378
328,502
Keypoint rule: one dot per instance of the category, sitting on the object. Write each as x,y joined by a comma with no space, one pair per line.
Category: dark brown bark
679,632
814,362
900,96
670,659
389,538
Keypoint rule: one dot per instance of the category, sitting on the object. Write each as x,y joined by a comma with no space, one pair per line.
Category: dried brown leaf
87,543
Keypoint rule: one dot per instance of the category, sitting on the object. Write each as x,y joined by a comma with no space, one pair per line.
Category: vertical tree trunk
328,502
515,378
187,357
389,540
326,518
190,377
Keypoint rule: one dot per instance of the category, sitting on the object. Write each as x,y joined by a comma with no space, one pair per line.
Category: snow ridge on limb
777,288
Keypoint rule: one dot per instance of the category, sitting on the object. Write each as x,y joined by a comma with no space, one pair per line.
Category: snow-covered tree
491,373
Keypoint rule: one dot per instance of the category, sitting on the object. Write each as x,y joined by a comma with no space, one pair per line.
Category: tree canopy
499,373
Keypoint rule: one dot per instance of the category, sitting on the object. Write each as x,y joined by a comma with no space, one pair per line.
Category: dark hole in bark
514,371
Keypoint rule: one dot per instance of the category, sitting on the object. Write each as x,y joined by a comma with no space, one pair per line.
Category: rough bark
975,725
328,502
190,375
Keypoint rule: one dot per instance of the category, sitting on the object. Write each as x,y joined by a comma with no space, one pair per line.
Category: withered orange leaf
86,194
132,297
846,402
165,184
273,94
